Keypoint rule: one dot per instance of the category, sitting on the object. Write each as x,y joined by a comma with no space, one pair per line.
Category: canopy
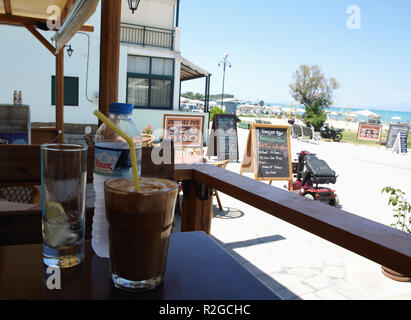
80,13
36,12
368,113
191,71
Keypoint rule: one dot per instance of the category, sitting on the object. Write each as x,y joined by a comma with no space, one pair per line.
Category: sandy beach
298,265
350,125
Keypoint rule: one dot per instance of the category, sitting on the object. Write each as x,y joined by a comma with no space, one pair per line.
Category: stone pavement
298,265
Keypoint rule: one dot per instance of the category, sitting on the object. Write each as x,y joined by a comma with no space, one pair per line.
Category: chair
221,164
20,194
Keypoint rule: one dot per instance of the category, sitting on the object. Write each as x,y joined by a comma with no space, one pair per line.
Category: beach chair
296,131
307,134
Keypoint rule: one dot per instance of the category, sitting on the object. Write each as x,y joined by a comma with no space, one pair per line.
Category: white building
150,68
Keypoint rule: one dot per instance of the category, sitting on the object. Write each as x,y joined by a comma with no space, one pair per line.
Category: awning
190,71
35,12
80,13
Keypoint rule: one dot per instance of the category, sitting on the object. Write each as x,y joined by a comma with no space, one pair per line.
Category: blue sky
267,40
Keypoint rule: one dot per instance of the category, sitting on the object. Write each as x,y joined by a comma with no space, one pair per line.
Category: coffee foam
147,185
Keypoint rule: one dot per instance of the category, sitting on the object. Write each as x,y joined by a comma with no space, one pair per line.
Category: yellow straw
130,142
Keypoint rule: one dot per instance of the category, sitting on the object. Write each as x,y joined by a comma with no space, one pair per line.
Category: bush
317,120
401,208
214,111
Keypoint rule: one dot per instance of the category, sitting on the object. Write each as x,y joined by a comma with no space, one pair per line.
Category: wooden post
109,53
60,94
197,207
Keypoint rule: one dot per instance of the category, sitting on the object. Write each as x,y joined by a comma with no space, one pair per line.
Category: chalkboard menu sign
273,160
270,152
223,141
393,133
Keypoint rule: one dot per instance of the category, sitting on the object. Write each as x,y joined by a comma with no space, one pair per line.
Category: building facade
151,67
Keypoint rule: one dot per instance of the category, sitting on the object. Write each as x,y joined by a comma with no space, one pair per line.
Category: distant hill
199,96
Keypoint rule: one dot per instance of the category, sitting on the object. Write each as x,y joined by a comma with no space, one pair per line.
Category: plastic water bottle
112,159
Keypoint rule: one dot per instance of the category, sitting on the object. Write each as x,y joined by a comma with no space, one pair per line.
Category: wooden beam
39,37
60,94
109,53
87,28
7,7
23,21
18,20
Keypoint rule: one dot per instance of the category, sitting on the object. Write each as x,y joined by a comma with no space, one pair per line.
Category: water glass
63,190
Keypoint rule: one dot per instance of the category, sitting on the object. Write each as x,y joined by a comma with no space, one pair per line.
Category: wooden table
197,269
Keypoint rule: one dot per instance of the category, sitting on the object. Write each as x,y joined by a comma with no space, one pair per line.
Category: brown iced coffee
140,226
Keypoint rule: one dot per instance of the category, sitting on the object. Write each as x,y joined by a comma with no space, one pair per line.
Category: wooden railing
377,242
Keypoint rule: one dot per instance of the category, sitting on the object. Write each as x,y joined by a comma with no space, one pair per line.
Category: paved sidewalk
298,265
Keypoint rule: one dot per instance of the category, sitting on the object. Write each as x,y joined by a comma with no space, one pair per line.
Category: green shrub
214,111
401,208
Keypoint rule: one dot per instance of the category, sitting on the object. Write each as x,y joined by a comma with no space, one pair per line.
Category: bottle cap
120,108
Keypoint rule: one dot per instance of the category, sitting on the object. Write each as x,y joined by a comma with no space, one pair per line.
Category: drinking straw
130,142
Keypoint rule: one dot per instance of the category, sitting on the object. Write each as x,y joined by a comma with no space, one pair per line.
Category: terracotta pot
393,275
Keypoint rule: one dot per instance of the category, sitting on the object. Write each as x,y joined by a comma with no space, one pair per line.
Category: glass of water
63,195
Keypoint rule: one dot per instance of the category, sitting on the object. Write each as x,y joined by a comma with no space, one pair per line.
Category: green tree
214,111
314,91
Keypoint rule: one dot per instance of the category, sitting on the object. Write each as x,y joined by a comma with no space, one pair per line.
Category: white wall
25,64
153,13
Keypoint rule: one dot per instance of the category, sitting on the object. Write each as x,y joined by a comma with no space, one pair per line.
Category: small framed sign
186,131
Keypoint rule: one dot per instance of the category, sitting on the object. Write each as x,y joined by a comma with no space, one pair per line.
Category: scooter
328,133
310,172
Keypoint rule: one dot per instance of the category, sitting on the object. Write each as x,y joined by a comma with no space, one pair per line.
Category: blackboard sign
223,141
273,159
393,133
268,153
400,144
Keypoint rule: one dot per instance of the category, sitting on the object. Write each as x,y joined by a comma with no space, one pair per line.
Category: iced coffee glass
63,195
140,224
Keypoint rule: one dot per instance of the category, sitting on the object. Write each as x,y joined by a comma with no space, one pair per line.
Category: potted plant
402,210
147,136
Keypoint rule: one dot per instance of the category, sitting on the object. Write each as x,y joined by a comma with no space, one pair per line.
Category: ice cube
58,232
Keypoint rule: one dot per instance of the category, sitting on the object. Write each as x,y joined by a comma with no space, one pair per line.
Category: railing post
144,36
197,207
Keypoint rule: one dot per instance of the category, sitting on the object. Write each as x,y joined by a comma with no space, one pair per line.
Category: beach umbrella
368,114
299,110
396,118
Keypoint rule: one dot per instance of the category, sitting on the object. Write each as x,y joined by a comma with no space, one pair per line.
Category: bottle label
112,162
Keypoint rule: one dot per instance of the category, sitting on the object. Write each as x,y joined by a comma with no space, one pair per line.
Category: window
70,91
150,82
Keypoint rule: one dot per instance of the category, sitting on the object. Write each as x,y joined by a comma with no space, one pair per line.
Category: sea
386,115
